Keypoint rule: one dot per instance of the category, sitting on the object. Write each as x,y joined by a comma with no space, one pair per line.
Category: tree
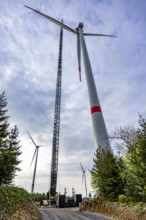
133,141
105,175
9,146
124,136
135,165
37,197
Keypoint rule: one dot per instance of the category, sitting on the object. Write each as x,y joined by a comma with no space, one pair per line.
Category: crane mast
55,142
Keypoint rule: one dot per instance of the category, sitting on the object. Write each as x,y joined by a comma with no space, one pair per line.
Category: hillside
16,204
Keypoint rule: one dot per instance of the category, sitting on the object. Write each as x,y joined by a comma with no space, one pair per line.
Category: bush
115,210
11,197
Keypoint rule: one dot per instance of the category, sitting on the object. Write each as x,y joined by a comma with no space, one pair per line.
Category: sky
29,46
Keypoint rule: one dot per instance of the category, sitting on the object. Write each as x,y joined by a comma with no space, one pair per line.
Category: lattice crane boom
55,143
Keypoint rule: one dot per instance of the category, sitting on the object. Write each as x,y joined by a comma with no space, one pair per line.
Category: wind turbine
99,128
35,166
84,178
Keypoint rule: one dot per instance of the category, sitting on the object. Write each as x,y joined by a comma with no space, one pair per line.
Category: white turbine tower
35,166
84,178
99,128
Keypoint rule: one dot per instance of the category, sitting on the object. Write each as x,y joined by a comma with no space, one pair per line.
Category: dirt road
68,214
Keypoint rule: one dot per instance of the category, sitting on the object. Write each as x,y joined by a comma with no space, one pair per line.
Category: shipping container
77,199
60,203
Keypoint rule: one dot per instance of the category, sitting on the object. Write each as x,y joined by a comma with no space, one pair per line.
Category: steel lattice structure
55,144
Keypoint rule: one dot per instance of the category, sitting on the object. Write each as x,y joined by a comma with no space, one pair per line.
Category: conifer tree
9,146
105,175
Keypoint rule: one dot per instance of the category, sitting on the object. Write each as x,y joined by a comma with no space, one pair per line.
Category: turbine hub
81,25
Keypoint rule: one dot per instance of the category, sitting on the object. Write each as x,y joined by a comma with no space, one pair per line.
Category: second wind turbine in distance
84,178
99,128
35,166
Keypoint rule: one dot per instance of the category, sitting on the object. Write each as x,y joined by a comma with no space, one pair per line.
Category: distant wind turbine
84,178
35,166
99,128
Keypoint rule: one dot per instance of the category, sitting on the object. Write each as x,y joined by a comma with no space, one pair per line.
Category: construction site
55,199
101,137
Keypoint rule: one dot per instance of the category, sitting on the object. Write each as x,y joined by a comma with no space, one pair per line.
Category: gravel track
68,214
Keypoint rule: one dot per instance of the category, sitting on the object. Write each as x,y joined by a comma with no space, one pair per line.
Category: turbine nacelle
81,25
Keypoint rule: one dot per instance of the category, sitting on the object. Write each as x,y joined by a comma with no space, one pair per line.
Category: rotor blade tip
79,69
80,73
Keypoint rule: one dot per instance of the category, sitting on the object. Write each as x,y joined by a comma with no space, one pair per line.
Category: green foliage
9,146
37,197
106,175
135,165
123,179
11,197
125,199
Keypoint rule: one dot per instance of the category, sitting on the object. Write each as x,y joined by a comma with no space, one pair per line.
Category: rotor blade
31,139
43,145
102,35
33,157
81,167
79,55
53,20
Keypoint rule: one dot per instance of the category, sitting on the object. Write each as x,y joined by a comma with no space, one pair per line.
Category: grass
14,201
117,211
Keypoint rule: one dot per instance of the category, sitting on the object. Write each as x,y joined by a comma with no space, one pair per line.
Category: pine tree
105,175
9,146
